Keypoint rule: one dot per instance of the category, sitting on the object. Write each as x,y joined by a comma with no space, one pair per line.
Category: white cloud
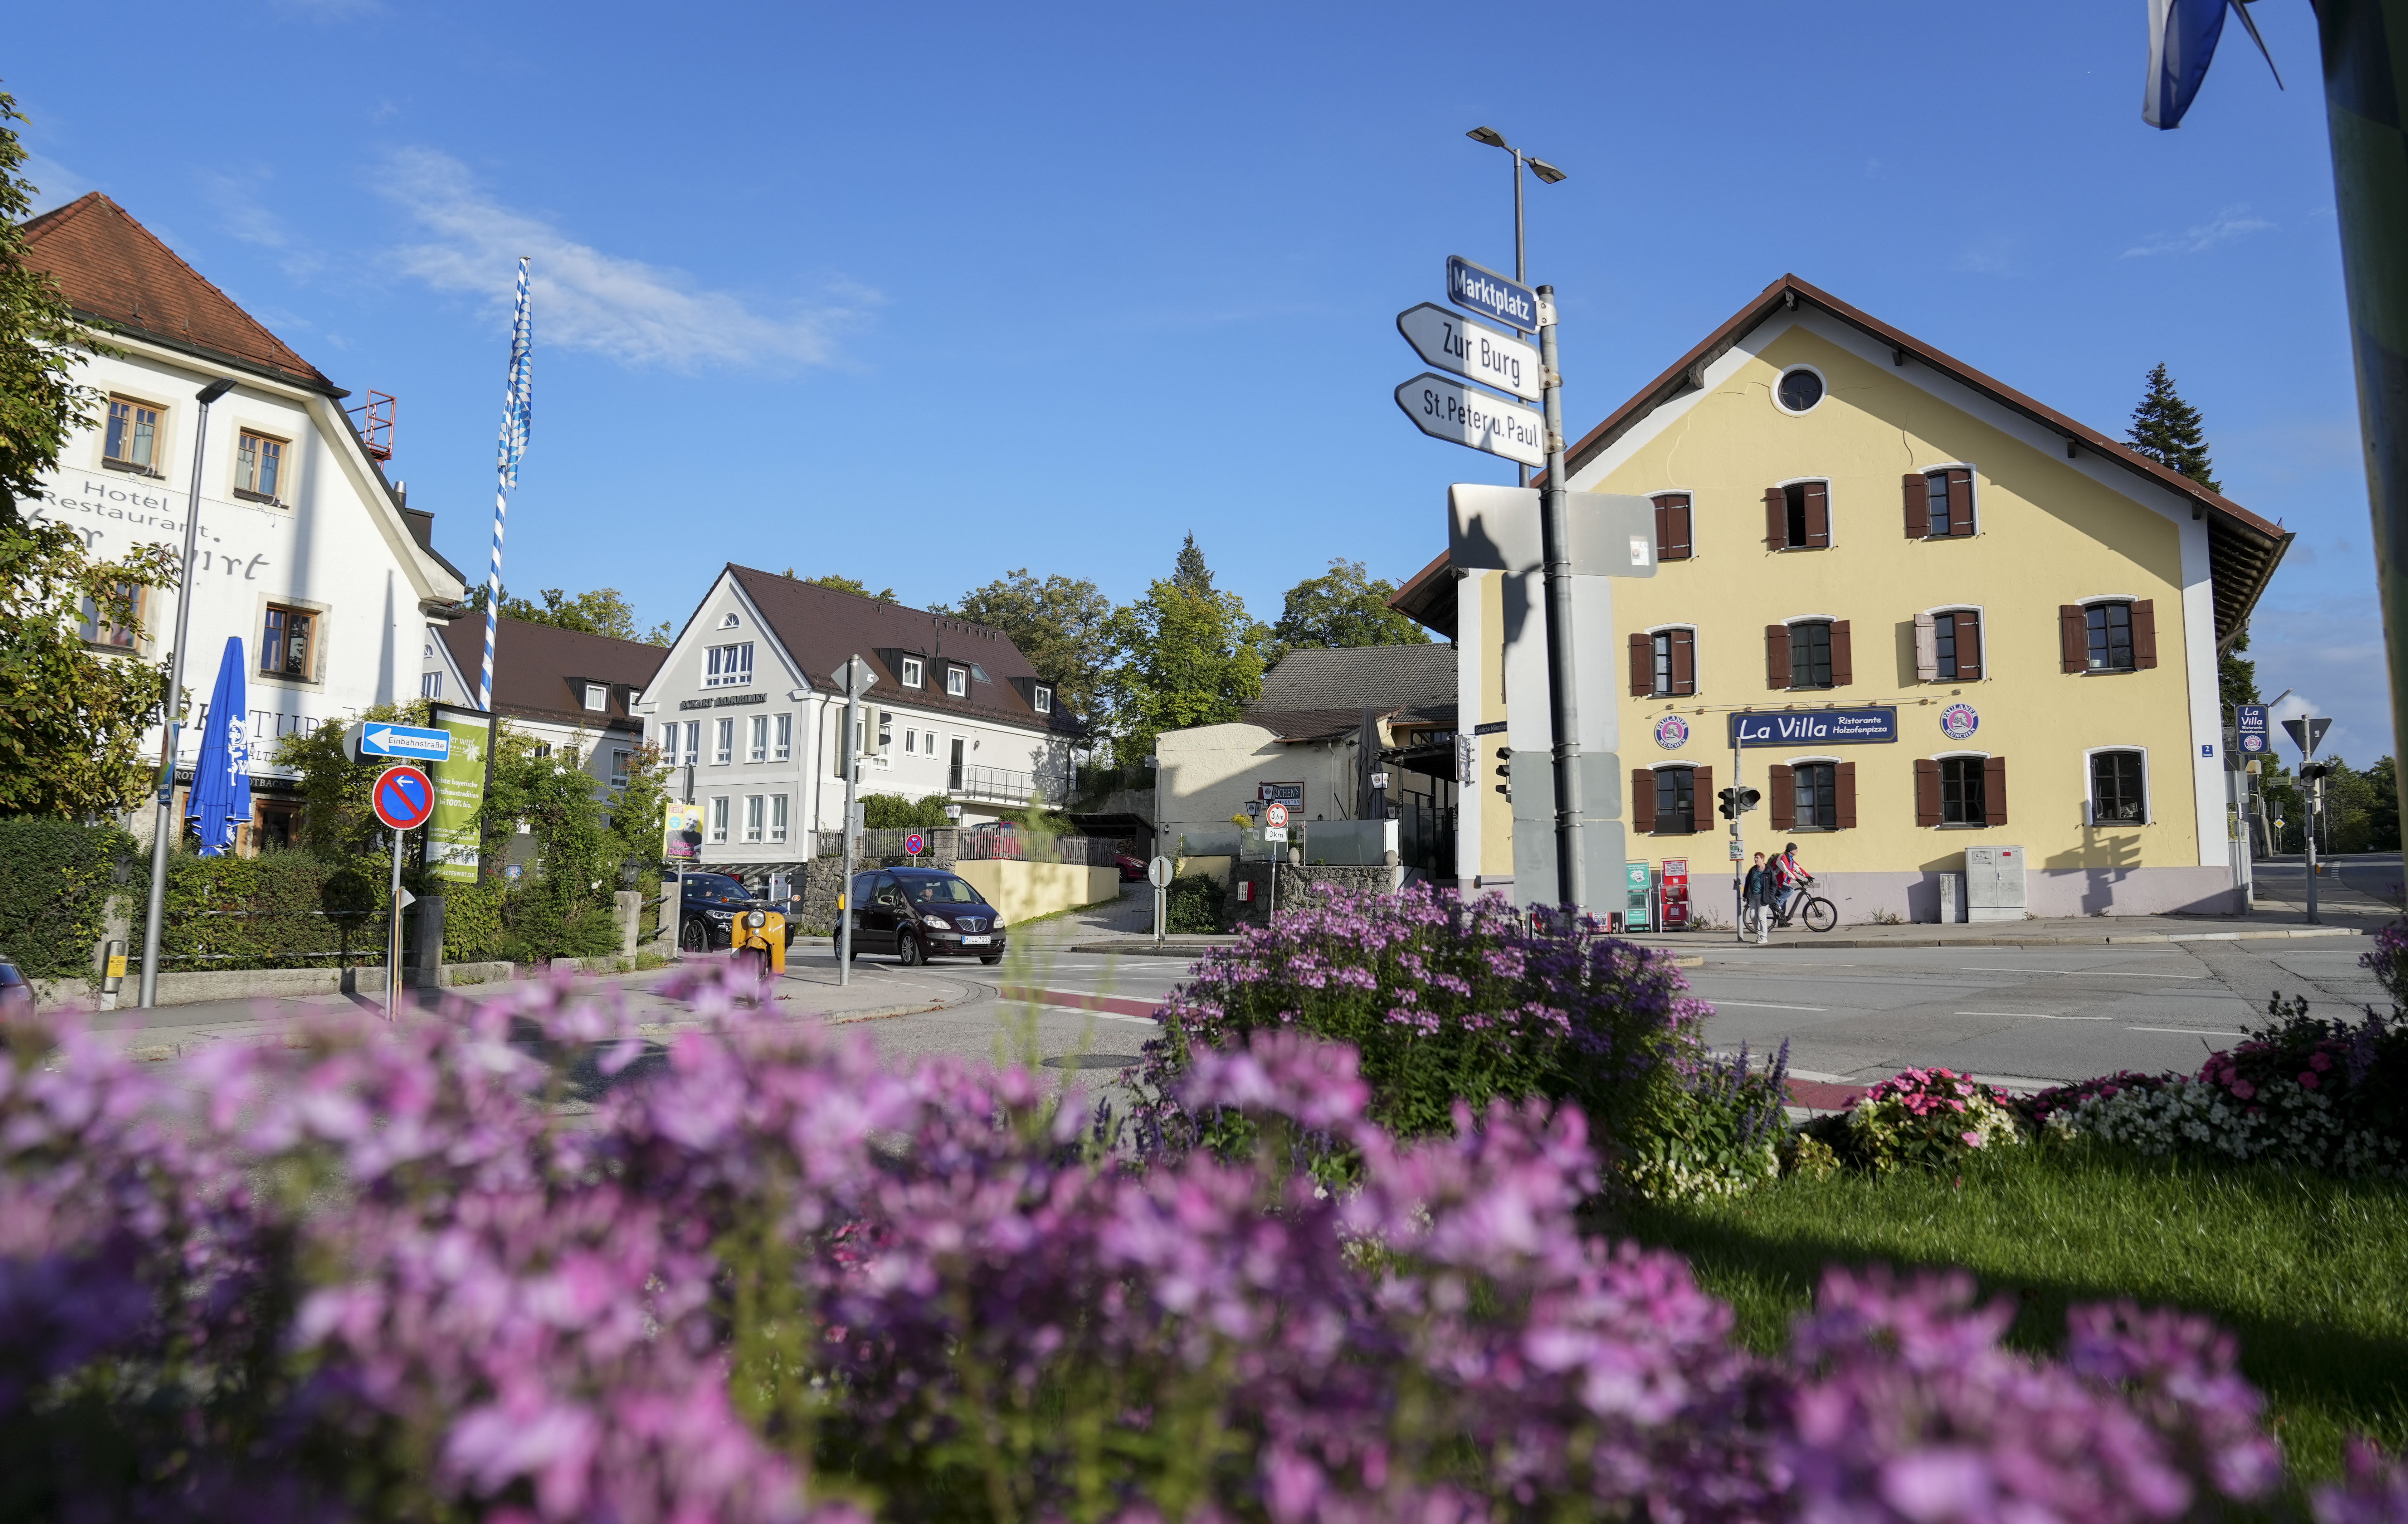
243,214
636,313
2232,222
2330,657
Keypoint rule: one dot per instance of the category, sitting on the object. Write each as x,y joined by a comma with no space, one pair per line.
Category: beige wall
1023,890
1208,772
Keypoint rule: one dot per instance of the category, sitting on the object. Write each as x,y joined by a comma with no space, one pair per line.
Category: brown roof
117,275
2242,547
541,671
820,626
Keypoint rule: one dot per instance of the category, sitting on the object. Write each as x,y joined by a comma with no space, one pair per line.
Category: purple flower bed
382,1275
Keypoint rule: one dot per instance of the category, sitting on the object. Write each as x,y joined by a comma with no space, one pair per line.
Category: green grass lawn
2312,1274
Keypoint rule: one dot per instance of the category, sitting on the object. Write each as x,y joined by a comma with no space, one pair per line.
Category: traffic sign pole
393,941
855,678
1571,882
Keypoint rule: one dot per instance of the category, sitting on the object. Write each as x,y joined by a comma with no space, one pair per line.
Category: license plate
976,942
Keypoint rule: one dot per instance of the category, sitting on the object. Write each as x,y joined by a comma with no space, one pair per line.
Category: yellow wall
2047,534
1023,890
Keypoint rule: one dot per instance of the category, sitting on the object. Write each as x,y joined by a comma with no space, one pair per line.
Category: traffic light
1504,757
1737,802
2311,772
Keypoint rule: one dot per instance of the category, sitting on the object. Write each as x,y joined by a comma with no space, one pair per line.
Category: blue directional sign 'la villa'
1815,728
1485,291
2250,721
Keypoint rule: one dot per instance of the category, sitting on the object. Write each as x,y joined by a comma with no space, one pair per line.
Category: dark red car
1132,869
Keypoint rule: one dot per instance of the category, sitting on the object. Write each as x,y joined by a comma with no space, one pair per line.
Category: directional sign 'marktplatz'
1450,410
1485,291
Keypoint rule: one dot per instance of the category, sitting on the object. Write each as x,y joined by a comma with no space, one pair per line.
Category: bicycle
1819,913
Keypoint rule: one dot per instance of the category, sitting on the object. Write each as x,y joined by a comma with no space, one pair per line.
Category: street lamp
1548,173
173,726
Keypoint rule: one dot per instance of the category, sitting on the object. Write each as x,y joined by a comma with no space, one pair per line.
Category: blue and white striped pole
515,416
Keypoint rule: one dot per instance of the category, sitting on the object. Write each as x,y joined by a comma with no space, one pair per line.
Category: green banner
451,843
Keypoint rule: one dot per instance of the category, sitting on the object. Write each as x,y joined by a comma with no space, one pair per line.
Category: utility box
1993,884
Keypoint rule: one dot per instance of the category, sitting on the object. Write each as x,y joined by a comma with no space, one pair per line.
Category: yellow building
1859,535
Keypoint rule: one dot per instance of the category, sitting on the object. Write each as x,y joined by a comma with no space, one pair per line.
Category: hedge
280,910
55,882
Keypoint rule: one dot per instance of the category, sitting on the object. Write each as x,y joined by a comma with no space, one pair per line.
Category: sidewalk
2268,923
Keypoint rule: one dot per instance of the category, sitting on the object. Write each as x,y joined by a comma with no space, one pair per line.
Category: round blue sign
914,844
1958,721
1672,732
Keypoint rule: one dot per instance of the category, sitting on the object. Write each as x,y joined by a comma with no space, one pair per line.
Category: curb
1869,944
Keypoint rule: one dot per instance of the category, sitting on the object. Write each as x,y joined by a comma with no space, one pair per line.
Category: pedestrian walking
1755,900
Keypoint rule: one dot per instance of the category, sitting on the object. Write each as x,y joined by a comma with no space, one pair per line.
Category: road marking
1767,1005
2104,973
2187,1031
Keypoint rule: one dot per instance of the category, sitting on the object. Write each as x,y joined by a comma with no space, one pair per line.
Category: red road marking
1823,1096
1114,1004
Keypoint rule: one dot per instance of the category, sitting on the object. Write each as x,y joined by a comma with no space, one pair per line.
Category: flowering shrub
2301,1091
377,1275
1924,1116
1723,1137
2390,963
1448,1003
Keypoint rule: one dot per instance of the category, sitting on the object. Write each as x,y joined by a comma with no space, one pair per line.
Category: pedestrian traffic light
1504,757
1737,802
2314,770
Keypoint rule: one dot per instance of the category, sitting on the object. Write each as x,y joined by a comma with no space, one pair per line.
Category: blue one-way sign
1468,286
375,738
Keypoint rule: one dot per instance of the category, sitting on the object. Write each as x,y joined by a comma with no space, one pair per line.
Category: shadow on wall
2105,858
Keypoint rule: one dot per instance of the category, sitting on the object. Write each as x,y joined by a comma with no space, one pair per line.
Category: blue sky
923,295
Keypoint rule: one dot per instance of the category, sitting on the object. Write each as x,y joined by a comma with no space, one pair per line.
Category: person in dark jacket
1755,900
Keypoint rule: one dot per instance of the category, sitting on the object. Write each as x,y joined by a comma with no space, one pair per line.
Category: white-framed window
1799,389
430,686
910,742
258,466
618,767
692,741
1948,645
957,682
728,621
723,744
756,814
777,817
727,666
287,643
912,672
2117,784
784,749
1044,699
598,698
759,750
132,441
101,628
1797,516
718,819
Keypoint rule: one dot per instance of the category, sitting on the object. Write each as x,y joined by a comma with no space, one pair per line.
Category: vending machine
1673,889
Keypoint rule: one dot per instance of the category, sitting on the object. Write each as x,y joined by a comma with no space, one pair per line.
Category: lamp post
1549,174
172,724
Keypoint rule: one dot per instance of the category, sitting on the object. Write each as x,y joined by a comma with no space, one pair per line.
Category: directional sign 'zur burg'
1453,342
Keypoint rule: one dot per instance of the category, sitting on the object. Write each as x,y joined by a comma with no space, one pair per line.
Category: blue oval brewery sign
1672,732
1816,727
1958,721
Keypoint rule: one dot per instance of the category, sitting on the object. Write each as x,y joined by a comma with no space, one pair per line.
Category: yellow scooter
760,934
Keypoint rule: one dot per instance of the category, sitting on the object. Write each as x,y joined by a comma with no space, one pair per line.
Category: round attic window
1800,388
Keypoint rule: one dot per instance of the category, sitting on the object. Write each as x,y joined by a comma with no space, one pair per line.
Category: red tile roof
539,670
117,275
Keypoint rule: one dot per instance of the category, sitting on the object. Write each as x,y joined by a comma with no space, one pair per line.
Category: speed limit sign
1275,814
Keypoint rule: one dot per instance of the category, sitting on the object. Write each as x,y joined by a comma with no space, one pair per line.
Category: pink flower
1973,1139
2318,1062
2243,1089
2307,1080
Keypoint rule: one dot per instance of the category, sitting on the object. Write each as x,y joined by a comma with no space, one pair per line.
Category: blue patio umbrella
220,797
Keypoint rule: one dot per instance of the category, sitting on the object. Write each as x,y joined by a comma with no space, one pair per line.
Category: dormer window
912,672
957,682
1044,699
598,698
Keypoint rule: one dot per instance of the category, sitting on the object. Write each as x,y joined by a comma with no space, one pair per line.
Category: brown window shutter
1818,515
1642,665
1684,545
2144,633
1927,792
1781,782
1776,655
1663,529
1776,518
1685,662
1993,791
1701,803
1960,502
1969,646
1918,506
1844,776
2073,638
1642,801
1843,664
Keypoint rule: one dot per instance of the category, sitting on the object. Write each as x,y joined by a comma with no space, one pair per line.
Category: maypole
517,402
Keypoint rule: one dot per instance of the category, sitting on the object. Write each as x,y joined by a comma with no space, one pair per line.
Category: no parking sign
404,798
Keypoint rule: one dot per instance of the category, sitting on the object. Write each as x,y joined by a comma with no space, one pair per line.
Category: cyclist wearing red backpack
1792,881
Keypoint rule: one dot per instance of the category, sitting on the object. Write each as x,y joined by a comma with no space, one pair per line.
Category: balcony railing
1000,786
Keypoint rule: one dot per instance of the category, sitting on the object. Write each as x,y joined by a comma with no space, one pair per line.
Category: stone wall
1295,886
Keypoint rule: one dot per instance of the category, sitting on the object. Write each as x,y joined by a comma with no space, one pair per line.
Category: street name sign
1484,291
2249,722
1474,350
374,737
1819,726
1450,410
403,797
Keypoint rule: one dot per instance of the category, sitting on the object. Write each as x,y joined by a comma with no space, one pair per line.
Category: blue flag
2182,41
220,802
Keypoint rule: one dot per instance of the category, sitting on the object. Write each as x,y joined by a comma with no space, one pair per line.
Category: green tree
850,584
588,838
71,715
1188,654
1343,607
2169,431
603,612
2236,679
2383,810
894,813
337,818
1062,624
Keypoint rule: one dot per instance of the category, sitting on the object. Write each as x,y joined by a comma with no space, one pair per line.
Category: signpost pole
855,677
393,941
1738,839
1555,530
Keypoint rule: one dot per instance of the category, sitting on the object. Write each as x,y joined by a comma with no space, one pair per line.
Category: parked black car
16,992
712,903
918,913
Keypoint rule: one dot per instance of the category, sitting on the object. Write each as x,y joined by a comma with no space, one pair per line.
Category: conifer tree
2169,431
